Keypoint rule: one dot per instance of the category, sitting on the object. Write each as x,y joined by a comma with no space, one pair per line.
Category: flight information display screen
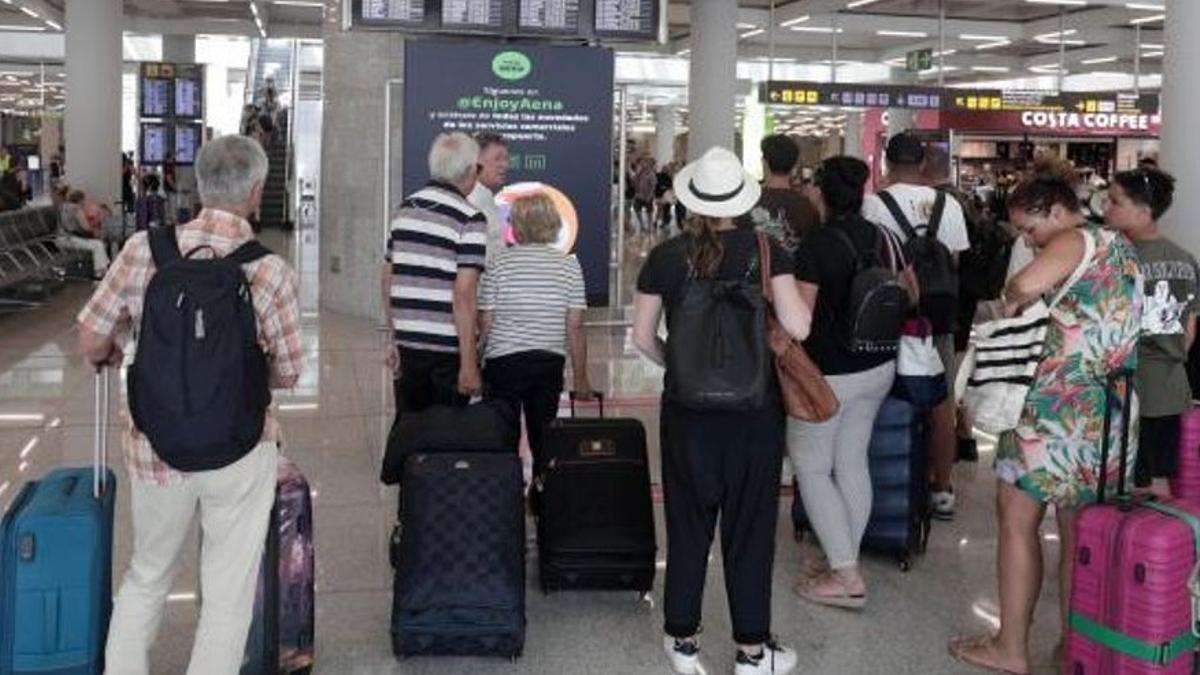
188,98
156,100
154,143
188,138
559,17
172,90
631,19
615,20
395,13
473,14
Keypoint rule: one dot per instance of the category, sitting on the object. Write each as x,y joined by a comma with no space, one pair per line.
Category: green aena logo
511,66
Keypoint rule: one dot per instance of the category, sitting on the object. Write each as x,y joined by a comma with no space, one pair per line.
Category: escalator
274,61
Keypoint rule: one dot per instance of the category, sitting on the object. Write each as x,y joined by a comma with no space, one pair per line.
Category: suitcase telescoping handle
100,449
1114,379
598,395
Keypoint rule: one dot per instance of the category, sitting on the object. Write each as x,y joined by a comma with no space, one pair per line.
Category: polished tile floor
335,422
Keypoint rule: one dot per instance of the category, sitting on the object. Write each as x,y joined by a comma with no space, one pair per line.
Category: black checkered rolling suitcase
460,568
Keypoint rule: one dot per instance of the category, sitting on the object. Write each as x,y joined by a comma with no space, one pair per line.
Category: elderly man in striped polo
436,255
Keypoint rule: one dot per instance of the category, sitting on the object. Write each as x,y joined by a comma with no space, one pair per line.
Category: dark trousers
533,382
426,378
723,465
1158,449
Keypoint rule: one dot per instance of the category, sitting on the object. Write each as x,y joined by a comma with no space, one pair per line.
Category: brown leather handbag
806,394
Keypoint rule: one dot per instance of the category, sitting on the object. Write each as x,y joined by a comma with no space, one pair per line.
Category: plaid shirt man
116,309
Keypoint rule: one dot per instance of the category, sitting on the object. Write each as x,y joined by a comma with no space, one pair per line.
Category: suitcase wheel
905,562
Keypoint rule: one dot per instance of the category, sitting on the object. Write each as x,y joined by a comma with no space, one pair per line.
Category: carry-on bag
281,635
56,565
492,425
596,523
900,518
460,558
1134,585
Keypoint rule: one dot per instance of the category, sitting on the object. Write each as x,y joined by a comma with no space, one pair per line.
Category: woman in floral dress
1053,456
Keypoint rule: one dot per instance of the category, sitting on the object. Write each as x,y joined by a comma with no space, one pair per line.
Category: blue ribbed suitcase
56,567
900,515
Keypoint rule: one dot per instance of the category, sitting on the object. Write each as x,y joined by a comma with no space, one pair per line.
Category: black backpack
983,268
717,354
199,387
877,304
933,263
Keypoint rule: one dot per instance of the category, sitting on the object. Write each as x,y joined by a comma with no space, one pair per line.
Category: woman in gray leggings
830,458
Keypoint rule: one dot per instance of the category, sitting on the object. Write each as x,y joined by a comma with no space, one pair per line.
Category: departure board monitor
156,100
188,138
627,19
552,17
613,20
171,90
153,143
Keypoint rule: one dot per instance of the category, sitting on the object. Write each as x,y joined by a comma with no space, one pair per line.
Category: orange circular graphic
569,231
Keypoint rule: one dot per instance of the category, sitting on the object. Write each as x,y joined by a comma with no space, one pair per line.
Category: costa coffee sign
1054,123
1077,121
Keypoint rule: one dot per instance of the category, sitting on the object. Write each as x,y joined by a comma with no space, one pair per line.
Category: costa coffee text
1051,120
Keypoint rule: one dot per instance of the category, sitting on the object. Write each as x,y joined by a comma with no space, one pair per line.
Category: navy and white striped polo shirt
435,233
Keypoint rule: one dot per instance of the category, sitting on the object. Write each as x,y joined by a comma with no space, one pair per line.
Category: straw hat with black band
717,186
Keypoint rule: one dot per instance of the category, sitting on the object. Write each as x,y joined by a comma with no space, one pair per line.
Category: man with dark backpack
215,321
934,232
982,273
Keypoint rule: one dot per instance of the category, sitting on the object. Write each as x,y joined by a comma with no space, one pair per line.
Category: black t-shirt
662,184
666,270
824,260
786,215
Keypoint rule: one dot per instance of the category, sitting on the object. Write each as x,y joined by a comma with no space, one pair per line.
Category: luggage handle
598,395
100,448
1110,383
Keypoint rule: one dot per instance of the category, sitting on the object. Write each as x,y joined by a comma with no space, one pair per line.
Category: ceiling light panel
902,33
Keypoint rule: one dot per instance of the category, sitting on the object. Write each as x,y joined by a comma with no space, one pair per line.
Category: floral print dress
1054,453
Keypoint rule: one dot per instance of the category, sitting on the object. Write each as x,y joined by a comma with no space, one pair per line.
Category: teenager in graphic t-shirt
1137,199
781,211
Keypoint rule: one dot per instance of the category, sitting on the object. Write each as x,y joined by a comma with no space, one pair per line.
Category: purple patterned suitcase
281,636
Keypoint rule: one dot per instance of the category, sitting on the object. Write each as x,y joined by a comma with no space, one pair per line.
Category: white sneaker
684,656
942,505
774,660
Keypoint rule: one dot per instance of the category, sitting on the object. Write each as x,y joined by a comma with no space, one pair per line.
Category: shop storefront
987,145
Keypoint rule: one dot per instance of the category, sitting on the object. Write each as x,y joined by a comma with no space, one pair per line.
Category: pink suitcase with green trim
1186,483
1135,584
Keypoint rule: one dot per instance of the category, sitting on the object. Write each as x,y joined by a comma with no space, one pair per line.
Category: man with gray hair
233,499
435,256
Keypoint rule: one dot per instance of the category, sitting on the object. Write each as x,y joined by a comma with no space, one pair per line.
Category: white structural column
179,48
664,135
93,115
1181,100
712,81
854,135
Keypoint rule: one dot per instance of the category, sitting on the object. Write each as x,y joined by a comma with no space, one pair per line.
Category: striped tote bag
1003,356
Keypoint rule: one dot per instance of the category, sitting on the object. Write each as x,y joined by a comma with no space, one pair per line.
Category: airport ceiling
993,37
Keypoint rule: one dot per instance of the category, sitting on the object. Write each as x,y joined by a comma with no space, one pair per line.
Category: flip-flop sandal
844,600
960,648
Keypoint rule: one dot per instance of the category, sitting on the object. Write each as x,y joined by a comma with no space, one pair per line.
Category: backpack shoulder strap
893,207
248,252
845,239
935,218
164,246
